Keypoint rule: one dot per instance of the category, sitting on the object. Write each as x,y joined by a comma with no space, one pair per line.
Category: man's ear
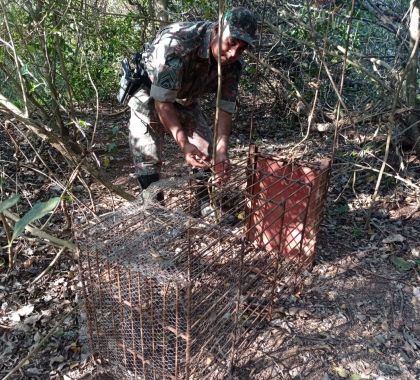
213,38
215,31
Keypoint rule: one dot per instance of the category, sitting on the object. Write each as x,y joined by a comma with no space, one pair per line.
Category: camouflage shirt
181,67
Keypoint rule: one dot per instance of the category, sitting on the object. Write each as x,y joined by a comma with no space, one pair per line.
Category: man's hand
168,116
194,157
222,168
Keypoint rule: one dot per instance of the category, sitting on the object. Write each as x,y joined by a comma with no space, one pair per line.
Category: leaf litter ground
356,317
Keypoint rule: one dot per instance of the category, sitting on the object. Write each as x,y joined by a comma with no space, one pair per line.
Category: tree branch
45,271
63,145
43,235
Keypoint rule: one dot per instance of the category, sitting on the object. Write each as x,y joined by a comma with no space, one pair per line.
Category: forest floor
356,318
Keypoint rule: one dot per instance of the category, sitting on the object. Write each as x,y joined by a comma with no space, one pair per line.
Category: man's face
231,49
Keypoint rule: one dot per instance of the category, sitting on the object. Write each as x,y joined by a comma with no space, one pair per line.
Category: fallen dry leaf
395,238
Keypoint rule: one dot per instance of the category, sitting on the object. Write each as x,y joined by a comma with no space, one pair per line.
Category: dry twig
36,348
62,145
390,130
43,235
45,271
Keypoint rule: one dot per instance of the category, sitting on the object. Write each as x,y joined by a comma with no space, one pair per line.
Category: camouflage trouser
146,132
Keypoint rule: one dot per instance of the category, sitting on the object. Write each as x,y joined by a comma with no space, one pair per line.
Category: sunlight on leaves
341,372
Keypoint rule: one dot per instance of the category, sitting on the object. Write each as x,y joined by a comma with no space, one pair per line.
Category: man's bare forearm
224,127
168,116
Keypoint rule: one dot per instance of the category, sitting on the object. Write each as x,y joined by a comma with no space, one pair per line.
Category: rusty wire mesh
170,295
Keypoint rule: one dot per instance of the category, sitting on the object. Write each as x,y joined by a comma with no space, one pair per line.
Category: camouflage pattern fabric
180,65
181,69
146,133
242,24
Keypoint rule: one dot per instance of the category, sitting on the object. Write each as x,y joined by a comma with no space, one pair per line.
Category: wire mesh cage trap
172,292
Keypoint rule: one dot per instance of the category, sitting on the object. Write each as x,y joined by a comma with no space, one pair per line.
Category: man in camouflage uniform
181,63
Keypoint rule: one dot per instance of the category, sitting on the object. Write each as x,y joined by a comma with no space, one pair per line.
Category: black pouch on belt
133,76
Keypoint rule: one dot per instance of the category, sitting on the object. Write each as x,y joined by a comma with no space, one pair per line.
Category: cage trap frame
169,295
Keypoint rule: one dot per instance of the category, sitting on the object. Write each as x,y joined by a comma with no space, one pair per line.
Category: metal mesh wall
170,295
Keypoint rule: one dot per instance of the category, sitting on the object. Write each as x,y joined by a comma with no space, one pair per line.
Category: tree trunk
413,134
162,11
158,13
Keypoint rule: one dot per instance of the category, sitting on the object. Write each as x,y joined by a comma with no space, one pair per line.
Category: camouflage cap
242,24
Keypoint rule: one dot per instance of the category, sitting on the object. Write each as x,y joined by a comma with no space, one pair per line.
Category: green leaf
10,202
2,181
106,162
358,232
340,210
402,264
355,376
38,211
82,123
111,147
67,198
24,70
